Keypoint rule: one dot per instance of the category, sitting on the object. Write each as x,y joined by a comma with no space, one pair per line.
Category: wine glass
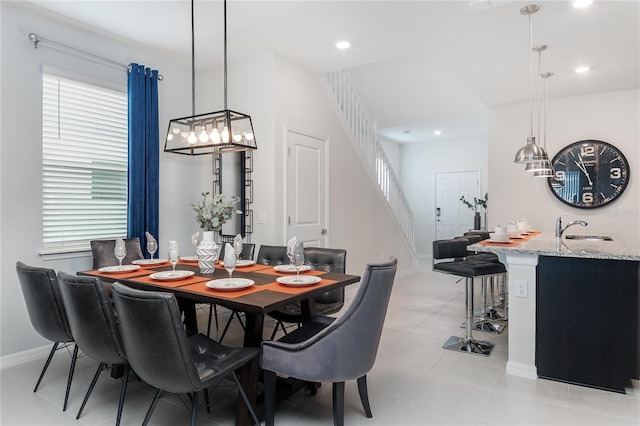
237,247
290,253
229,260
152,247
120,251
298,261
173,256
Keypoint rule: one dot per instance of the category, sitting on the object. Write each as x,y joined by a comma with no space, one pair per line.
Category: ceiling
417,65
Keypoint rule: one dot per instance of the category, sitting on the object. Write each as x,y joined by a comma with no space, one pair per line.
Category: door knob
324,231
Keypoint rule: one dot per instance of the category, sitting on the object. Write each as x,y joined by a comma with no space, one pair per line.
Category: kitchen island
573,309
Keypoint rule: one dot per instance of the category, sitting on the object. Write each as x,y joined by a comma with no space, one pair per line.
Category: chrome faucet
560,229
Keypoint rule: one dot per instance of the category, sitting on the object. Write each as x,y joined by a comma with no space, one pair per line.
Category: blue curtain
144,153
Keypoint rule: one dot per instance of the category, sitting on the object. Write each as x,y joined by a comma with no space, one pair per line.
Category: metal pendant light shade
213,132
531,152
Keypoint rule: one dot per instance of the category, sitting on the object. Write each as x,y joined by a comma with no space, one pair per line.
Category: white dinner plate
149,261
291,268
171,275
229,284
242,263
189,258
491,240
298,281
119,269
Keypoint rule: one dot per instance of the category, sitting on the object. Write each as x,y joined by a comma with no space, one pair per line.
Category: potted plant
477,204
211,215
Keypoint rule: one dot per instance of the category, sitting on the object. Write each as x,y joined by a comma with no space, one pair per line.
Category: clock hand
584,169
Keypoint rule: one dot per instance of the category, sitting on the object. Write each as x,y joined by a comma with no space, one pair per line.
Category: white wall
419,164
610,117
21,148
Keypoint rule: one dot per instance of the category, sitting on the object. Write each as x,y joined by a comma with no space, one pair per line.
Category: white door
306,192
452,217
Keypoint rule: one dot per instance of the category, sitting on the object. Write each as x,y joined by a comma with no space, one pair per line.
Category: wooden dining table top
264,296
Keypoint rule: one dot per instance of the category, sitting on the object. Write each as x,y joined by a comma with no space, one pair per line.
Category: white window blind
84,164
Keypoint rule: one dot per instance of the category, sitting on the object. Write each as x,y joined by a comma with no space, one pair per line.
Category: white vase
207,252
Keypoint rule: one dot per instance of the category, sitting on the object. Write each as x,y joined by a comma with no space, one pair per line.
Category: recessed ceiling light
437,132
582,69
580,4
343,45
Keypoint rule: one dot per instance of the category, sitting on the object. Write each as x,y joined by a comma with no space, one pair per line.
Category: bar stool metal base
472,346
485,326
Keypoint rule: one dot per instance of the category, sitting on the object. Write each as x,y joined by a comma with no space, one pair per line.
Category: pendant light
214,132
543,165
546,171
531,152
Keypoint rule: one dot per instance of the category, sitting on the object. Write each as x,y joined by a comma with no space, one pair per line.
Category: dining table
255,289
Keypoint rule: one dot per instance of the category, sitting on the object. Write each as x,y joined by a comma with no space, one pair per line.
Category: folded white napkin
120,242
290,245
195,238
229,255
237,244
149,236
173,247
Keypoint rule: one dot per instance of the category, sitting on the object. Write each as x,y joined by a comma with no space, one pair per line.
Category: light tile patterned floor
414,381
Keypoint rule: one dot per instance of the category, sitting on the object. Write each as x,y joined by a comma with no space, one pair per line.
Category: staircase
365,133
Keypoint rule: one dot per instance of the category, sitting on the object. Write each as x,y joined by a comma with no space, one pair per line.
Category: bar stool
452,255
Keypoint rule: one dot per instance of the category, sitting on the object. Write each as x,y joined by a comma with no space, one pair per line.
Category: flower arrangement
477,202
211,215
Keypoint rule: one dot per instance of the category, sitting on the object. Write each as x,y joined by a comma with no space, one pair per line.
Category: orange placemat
511,243
272,271
171,284
201,288
112,276
276,286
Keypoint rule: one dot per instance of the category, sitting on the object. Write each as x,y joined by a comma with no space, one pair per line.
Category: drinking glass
237,247
152,247
120,251
290,253
229,262
298,261
173,257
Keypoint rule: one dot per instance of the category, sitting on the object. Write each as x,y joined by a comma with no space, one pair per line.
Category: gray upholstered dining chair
327,303
95,328
47,314
102,252
162,355
328,350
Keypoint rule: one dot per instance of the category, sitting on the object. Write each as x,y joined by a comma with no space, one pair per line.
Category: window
84,164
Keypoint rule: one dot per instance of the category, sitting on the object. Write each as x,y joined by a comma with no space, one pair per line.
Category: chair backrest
272,255
247,251
102,252
484,235
347,348
330,260
44,302
455,248
155,340
91,318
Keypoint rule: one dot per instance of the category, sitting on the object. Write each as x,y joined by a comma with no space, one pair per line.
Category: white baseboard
522,370
18,358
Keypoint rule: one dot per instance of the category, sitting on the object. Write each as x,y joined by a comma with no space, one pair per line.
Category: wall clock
589,174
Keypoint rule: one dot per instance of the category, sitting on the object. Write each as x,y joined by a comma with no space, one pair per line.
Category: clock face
589,174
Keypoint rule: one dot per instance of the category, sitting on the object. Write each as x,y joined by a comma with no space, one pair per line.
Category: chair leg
152,407
206,400
209,322
226,327
243,394
74,357
46,364
194,408
364,395
338,403
123,391
269,397
91,386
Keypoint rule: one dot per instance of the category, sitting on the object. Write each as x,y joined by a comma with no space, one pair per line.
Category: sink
589,237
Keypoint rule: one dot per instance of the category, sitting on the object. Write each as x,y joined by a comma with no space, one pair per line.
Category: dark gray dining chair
47,314
327,303
94,328
102,252
162,355
328,350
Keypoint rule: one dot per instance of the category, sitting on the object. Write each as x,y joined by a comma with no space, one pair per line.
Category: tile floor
414,381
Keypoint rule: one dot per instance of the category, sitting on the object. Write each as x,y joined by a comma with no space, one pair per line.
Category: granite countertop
546,244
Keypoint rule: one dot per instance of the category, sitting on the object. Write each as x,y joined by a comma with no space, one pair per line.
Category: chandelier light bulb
192,138
248,136
237,138
175,130
215,135
169,137
225,135
204,137
184,134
